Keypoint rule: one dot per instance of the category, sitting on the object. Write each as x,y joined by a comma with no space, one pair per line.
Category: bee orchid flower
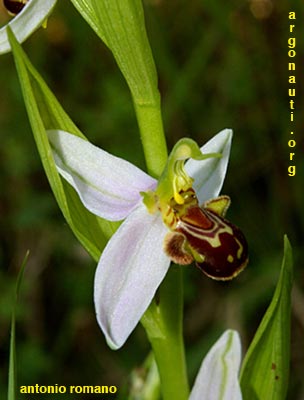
29,15
218,375
163,221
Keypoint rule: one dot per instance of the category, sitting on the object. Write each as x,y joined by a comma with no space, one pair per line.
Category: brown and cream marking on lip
203,235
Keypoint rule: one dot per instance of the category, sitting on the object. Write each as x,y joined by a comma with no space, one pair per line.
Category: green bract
265,370
121,26
50,114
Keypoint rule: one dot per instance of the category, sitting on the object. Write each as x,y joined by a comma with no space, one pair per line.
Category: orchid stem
163,320
152,136
163,323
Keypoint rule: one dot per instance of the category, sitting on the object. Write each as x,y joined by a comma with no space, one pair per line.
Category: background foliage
220,64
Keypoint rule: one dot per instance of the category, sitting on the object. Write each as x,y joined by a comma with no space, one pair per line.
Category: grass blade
12,371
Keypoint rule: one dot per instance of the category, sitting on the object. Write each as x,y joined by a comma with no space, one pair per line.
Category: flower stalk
152,136
163,319
166,336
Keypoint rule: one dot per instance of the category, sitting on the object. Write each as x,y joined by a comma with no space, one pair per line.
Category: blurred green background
221,64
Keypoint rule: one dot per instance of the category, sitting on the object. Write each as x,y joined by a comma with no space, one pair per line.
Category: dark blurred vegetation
221,64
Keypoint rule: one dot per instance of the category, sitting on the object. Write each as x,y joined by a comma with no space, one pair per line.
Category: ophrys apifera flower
163,221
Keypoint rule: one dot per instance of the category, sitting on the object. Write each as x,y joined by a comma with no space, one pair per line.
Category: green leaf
45,113
265,368
120,25
12,373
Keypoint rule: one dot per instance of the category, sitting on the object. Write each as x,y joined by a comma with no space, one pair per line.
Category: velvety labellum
222,244
14,6
202,234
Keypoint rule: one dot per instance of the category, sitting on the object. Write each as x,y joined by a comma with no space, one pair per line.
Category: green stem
163,323
152,136
163,319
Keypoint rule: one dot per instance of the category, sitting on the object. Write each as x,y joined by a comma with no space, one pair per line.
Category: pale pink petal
209,174
218,376
34,13
130,270
107,185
